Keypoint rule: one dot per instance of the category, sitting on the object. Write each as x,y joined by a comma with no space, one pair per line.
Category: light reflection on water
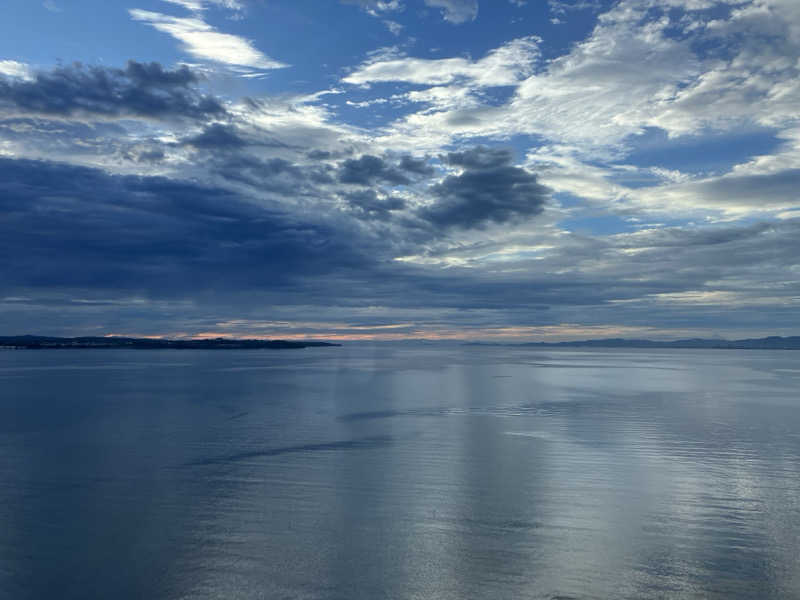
399,472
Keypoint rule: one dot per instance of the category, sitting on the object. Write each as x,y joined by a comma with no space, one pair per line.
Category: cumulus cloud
139,90
217,137
202,41
12,68
488,190
369,170
453,11
71,232
367,203
506,65
377,7
279,200
456,11
683,71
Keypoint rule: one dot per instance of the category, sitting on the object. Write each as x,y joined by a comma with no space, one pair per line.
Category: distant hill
39,342
767,343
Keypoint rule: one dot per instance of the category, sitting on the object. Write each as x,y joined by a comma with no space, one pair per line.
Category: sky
537,170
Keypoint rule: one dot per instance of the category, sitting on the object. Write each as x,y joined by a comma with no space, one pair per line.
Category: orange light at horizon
356,333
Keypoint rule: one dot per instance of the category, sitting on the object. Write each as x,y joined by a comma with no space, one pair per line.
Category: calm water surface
368,472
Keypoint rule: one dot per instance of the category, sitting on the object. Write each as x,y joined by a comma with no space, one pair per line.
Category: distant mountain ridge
767,343
44,342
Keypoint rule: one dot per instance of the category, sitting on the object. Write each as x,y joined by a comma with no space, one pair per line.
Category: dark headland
46,342
766,343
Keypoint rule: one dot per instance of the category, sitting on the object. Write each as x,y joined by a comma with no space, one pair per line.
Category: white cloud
393,26
453,11
732,194
506,65
376,8
12,68
682,72
202,41
201,5
456,11
193,5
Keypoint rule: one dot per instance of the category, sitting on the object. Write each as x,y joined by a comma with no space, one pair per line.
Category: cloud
488,190
192,5
684,71
369,204
369,170
12,68
456,11
416,166
506,65
377,7
453,11
732,193
68,227
201,41
217,137
393,26
102,249
278,202
139,90
201,5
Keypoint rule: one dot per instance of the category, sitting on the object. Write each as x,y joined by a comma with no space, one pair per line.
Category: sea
405,471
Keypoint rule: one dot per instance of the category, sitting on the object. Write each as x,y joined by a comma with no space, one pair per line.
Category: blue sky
453,169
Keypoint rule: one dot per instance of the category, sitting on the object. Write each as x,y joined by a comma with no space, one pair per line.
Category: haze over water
368,472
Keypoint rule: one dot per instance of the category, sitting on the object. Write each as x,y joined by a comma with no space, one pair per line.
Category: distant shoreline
35,342
766,343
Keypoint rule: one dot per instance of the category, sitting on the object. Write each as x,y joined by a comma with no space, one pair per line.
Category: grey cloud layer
82,233
273,202
140,90
490,189
72,227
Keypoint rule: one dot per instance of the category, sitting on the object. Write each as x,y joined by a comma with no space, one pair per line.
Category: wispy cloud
51,6
456,11
202,41
200,5
377,7
144,90
453,11
193,5
506,65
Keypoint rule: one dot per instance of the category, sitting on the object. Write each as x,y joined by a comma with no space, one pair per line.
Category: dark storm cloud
276,175
319,155
490,189
416,166
139,90
367,203
72,227
226,137
369,170
69,231
217,137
